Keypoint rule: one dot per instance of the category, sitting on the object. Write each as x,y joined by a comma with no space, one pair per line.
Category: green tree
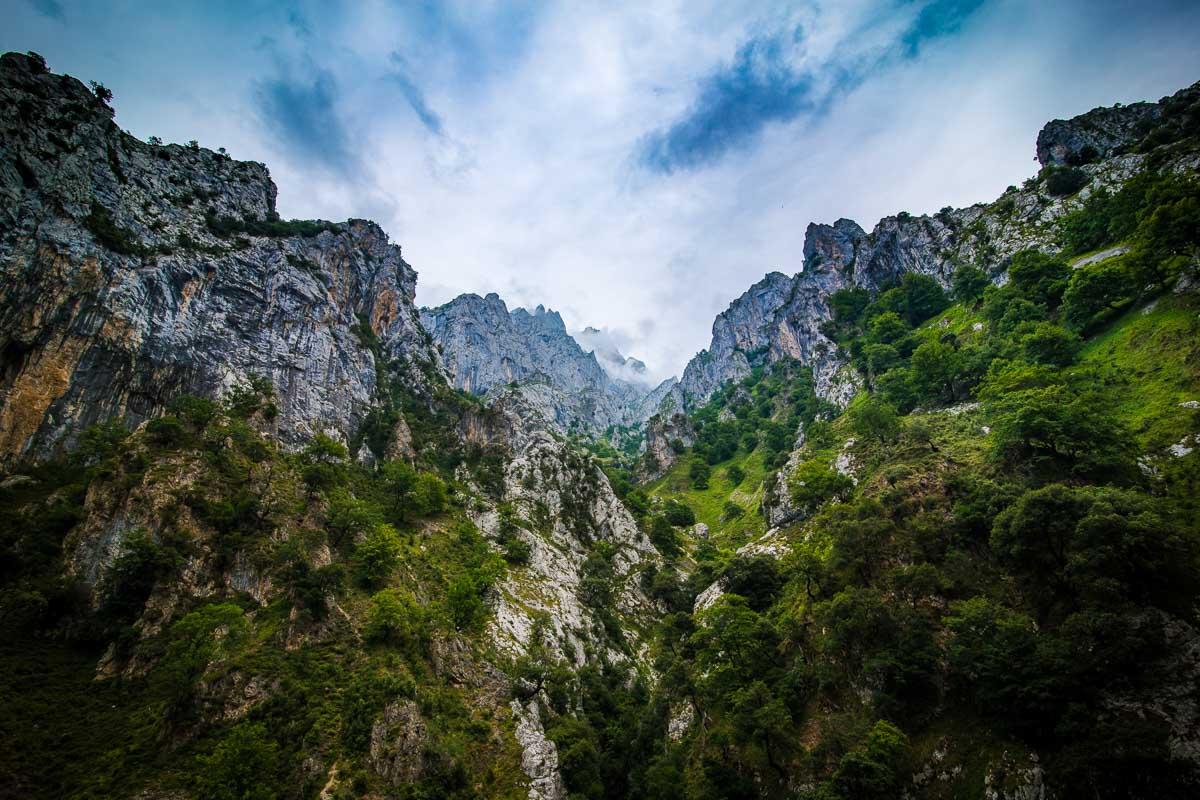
1046,343
1038,277
241,767
395,618
874,769
889,328
814,482
377,555
1097,292
923,297
873,418
968,283
934,368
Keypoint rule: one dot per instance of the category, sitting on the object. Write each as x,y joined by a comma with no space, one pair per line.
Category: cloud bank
636,166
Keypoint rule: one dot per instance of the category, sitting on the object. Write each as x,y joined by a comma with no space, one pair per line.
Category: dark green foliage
377,555
678,514
756,578
1097,292
874,419
815,482
873,770
1061,181
111,235
1038,277
923,297
227,227
968,283
242,767
1044,343
128,583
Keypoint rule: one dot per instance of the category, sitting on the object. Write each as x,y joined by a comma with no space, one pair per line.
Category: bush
101,225
1062,181
241,767
377,555
874,419
735,475
664,537
1044,343
395,618
1038,277
968,283
1098,292
923,297
166,431
678,514
815,482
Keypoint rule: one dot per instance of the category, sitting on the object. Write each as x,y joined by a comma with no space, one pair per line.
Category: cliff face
136,272
781,316
490,351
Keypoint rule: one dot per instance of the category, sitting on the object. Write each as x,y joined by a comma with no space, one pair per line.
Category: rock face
1095,134
134,272
781,317
561,505
488,349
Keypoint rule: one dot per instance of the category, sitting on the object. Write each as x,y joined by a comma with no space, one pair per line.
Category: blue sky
634,166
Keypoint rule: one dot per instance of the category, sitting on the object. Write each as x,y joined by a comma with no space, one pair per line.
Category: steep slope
490,351
133,272
781,317
312,566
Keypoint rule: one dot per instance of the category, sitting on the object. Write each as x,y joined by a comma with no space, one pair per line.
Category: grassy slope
709,504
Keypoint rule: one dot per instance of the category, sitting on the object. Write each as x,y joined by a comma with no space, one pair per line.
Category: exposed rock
665,431
539,755
398,740
117,294
488,349
680,721
1096,134
569,505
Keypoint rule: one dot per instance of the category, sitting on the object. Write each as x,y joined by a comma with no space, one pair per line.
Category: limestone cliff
490,350
133,273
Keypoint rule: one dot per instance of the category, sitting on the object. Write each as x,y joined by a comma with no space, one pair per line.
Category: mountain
920,522
134,272
491,351
203,406
618,366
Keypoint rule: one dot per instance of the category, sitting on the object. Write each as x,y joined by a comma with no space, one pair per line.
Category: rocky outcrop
398,740
666,433
488,349
133,273
1094,135
561,506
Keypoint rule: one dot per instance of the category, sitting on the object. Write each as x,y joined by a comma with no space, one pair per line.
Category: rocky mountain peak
490,350
134,272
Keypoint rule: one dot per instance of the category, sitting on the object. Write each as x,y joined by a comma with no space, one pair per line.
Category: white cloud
532,189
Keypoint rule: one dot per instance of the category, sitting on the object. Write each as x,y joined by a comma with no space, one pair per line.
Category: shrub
111,235
968,283
874,419
394,618
377,555
923,297
241,767
663,536
1098,292
678,514
1038,277
1044,343
1062,181
735,475
815,482
166,431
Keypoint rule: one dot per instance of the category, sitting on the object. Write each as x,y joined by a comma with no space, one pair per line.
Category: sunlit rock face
133,273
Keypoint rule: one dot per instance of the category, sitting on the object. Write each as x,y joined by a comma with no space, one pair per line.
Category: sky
634,166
